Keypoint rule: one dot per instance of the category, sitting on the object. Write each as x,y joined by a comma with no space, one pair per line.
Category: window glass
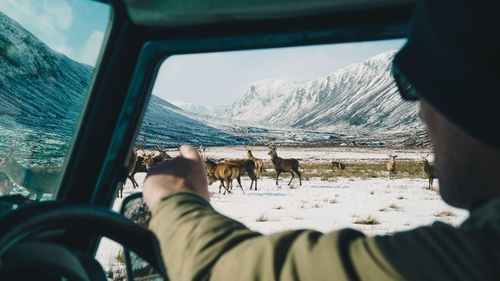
335,109
48,51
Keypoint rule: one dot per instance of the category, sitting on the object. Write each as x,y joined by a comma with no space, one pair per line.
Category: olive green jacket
198,243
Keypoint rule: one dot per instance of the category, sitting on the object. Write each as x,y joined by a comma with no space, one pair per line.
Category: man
443,66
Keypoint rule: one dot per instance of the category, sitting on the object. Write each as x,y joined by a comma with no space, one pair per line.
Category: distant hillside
211,110
32,72
261,99
172,125
358,99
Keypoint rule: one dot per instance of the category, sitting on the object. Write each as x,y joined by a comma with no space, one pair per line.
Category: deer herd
37,181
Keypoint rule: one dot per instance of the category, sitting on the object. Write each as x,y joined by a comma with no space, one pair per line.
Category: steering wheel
18,252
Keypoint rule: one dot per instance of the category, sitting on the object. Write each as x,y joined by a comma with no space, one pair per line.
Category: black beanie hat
452,59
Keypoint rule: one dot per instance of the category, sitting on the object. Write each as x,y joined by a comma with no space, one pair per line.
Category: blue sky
76,28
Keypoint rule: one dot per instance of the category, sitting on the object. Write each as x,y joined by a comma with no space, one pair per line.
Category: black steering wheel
19,252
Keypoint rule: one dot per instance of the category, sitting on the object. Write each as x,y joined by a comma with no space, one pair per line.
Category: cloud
59,13
46,19
91,49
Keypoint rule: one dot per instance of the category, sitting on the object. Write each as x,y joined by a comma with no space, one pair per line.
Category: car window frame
101,148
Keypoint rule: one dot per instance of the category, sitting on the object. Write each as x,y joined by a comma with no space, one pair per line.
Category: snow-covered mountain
360,98
262,98
32,72
211,110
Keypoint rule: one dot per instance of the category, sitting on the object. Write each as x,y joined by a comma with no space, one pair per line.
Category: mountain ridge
344,100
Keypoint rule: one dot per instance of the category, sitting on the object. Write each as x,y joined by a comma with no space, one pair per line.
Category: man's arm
200,244
197,243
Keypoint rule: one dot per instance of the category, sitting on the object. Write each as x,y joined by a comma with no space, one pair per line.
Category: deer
258,161
290,165
139,167
246,166
391,165
428,169
338,164
5,184
155,159
36,180
133,161
225,172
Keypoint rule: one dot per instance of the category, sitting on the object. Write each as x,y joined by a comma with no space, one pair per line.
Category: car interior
52,219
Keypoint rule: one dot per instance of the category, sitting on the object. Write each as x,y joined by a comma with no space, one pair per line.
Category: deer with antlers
36,180
391,165
258,161
290,165
155,159
428,169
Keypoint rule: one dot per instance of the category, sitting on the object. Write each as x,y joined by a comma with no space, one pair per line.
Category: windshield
48,51
333,110
334,145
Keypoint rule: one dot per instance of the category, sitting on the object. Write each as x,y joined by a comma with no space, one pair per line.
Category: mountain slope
43,74
172,125
358,99
262,98
211,110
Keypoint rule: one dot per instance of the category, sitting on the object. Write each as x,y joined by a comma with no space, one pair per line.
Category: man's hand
185,172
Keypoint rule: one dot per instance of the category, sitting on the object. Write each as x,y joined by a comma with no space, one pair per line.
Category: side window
48,51
325,126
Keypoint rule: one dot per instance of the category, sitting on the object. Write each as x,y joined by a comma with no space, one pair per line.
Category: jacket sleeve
197,243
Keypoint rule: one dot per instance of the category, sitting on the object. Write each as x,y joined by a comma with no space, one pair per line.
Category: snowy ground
398,205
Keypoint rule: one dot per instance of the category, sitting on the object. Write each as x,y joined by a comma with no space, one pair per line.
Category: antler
152,153
427,155
269,143
177,146
246,148
158,145
141,145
